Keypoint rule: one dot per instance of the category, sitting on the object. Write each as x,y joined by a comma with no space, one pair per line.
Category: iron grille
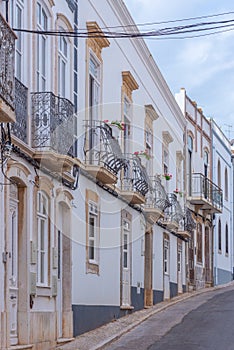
52,123
19,128
101,148
7,63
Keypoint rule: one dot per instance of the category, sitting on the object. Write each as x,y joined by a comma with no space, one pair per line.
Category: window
166,256
219,236
219,173
226,240
16,9
42,238
42,49
165,162
190,150
62,65
126,229
92,233
199,243
226,184
127,123
94,87
206,162
149,148
179,256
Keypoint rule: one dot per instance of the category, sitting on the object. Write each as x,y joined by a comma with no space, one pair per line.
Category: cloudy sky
204,66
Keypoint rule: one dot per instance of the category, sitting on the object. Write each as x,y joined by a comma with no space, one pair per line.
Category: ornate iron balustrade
174,212
189,223
203,189
157,196
52,123
7,63
101,148
135,177
19,128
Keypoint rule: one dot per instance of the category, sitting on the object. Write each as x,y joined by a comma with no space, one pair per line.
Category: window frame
42,48
166,258
199,243
93,214
219,236
42,217
226,240
63,58
94,87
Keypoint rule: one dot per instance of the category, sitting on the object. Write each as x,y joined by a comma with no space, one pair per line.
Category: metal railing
157,196
174,212
135,177
20,127
101,148
52,123
203,188
7,63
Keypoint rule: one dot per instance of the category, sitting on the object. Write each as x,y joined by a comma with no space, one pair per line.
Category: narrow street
200,323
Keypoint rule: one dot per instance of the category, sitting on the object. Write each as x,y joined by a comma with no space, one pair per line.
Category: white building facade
129,228
223,231
38,174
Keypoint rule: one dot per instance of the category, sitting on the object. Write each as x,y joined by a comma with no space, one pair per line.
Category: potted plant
167,176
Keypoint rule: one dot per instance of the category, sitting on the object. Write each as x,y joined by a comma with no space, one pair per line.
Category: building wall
222,259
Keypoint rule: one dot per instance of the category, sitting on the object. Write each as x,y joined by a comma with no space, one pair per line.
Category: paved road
203,322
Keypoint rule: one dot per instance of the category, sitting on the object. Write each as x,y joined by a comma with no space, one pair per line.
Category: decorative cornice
151,113
129,80
95,32
167,138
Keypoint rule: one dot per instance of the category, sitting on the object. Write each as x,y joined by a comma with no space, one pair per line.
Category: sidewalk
96,339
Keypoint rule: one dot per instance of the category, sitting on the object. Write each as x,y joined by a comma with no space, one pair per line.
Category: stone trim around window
93,197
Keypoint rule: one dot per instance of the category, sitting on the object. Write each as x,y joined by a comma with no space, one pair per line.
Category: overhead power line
136,33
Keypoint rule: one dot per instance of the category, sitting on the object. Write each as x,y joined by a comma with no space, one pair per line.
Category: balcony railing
52,123
173,213
19,128
7,63
189,223
135,177
204,192
157,196
101,149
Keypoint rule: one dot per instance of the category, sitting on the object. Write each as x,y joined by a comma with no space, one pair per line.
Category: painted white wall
222,153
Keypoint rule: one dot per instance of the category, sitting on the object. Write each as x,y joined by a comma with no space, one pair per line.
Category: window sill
126,307
43,291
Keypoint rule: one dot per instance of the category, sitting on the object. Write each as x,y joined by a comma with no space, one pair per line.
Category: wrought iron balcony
103,155
52,123
19,128
7,77
187,225
156,200
203,192
173,214
135,182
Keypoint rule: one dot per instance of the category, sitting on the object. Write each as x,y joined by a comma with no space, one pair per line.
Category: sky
204,66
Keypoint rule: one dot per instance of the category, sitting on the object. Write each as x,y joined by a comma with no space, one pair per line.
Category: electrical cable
197,27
